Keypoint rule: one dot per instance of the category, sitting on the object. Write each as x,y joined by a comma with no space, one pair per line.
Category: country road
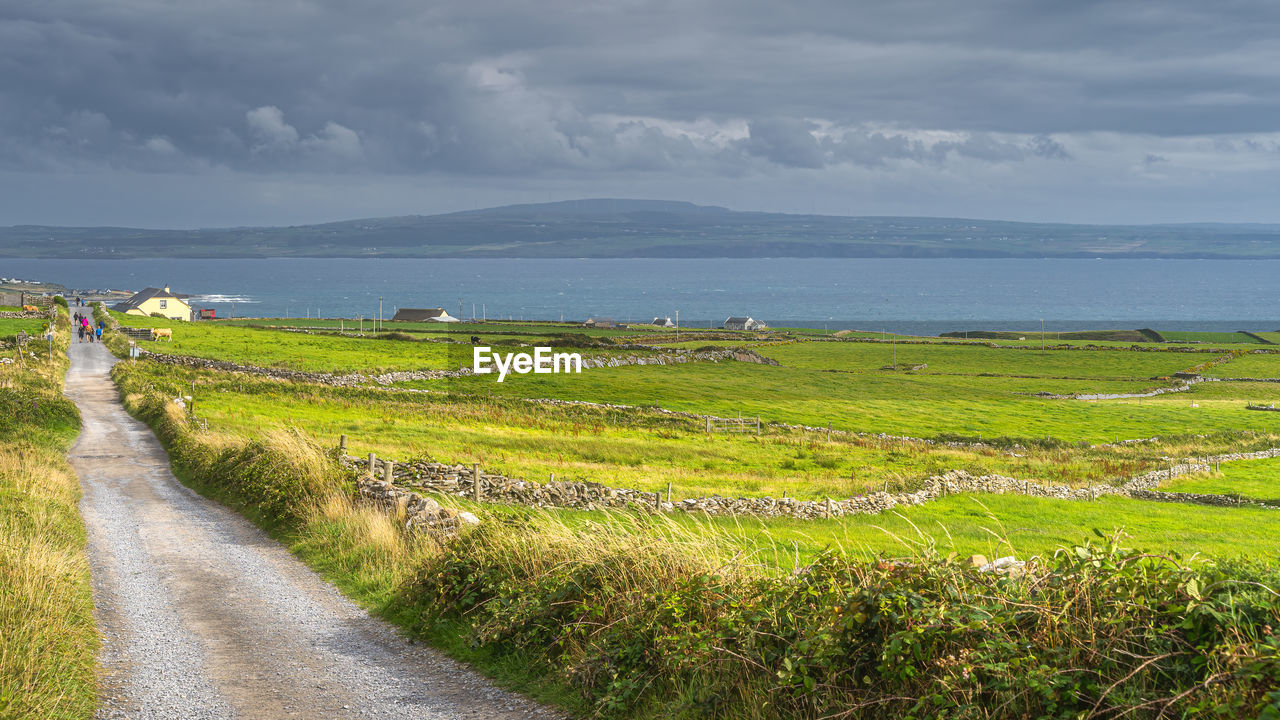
204,616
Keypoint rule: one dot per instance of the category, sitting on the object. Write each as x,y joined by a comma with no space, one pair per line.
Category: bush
59,300
1095,632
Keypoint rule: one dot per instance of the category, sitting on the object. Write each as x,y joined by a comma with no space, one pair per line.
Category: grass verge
48,640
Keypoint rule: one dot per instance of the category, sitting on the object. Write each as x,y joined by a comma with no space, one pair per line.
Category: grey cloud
784,141
612,92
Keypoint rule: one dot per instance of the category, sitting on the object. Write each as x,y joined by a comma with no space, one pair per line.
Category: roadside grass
1253,479
48,640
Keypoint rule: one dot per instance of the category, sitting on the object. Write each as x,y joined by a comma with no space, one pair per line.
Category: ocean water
921,296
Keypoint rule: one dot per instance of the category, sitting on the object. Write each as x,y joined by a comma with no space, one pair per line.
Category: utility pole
459,308
379,313
677,324
1041,334
484,313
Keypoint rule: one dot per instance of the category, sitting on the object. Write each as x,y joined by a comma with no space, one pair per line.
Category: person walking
81,332
98,332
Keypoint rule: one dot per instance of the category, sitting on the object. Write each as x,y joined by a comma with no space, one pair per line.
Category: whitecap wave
223,299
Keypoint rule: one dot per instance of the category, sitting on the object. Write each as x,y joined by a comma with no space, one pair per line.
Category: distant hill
652,228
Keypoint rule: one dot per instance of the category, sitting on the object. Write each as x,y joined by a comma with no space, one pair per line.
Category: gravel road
204,616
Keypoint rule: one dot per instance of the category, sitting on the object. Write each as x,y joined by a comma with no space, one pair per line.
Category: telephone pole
379,313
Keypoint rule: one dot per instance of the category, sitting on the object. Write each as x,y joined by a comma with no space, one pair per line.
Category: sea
910,296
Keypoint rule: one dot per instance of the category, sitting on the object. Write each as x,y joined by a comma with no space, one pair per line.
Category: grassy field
1253,365
625,615
902,403
11,326
1185,336
978,360
47,635
1253,479
391,350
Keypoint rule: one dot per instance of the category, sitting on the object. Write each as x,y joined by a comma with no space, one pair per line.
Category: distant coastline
625,229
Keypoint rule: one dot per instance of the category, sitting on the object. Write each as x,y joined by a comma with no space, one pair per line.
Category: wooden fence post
708,426
342,443
668,492
475,481
389,471
373,464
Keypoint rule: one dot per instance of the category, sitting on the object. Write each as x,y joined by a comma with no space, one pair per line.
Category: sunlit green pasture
624,448
463,328
12,326
991,525
903,403
1254,479
1253,365
952,359
289,350
1207,337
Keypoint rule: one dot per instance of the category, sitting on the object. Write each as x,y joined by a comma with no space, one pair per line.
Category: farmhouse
663,322
744,323
602,323
156,300
423,315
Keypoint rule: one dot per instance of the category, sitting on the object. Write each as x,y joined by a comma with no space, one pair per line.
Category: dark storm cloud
515,87
603,91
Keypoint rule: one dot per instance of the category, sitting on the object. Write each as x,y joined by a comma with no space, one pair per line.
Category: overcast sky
188,113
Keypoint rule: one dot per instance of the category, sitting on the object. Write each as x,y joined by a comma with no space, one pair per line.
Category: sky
216,113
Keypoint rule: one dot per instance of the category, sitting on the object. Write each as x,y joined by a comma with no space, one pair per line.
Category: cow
475,339
157,333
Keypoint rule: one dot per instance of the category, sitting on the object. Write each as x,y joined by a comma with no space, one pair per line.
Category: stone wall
460,480
357,379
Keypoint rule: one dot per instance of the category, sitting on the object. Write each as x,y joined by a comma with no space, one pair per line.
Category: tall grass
48,640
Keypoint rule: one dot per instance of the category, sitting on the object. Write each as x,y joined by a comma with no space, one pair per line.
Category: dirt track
204,616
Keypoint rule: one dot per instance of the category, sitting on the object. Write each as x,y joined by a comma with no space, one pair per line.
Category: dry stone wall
358,379
461,481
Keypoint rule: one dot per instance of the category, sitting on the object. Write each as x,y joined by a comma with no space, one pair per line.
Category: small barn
744,323
664,322
600,323
156,300
423,315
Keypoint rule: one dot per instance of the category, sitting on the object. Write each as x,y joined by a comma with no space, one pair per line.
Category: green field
1253,479
1216,338
287,349
1253,365
966,391
628,596
12,326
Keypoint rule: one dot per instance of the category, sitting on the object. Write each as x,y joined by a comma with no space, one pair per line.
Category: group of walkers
85,327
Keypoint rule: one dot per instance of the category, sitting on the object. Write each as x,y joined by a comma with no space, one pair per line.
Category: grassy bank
48,640
630,616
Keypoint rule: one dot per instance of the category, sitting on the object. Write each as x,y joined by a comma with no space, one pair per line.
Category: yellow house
155,300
